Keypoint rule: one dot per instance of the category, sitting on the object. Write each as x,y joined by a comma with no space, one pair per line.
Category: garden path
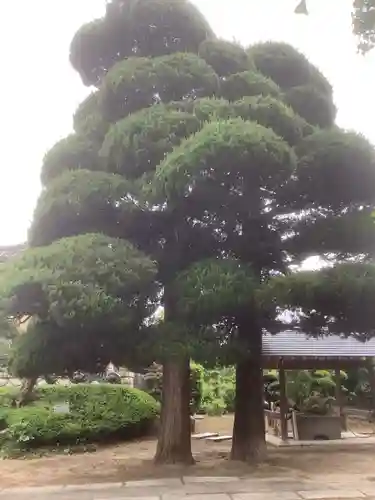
338,487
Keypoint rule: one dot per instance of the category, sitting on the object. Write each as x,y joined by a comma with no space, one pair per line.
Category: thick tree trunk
26,392
248,444
174,443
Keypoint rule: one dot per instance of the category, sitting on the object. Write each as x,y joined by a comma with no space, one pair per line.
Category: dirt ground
134,461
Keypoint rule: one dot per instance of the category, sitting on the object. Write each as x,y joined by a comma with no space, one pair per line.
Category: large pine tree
197,155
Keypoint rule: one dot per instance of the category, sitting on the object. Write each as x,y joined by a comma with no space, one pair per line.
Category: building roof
296,344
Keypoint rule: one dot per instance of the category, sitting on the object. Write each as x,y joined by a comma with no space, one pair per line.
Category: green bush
218,391
96,412
214,408
154,377
196,381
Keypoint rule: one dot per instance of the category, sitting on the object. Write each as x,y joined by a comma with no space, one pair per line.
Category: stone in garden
204,435
219,439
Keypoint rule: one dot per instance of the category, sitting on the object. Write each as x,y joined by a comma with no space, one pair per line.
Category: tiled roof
296,344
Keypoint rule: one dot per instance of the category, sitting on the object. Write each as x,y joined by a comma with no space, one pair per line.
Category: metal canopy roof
296,344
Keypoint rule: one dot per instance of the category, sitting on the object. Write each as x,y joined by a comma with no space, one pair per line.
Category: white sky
40,91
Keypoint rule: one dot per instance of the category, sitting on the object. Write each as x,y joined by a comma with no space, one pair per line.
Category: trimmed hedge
96,413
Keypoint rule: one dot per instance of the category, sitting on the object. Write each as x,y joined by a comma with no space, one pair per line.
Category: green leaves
77,279
72,153
192,148
248,83
226,58
314,106
147,28
273,113
88,121
343,235
80,202
235,152
287,67
135,145
95,411
88,296
336,169
214,290
137,83
338,299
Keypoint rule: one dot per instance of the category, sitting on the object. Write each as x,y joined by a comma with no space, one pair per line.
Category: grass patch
97,413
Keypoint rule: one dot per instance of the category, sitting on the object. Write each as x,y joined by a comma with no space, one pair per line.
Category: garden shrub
214,408
96,412
154,378
218,391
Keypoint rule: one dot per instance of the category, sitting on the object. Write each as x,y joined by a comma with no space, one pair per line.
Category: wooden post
371,378
283,403
338,395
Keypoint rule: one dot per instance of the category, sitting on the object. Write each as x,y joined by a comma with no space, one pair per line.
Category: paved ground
208,488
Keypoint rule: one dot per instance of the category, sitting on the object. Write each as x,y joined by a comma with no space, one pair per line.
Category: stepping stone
327,494
209,479
219,439
205,435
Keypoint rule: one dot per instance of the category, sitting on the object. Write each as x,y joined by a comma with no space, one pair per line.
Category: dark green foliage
88,121
97,412
153,378
196,381
225,57
248,83
257,154
216,289
87,267
358,387
336,169
138,83
286,66
332,191
137,144
72,153
273,113
87,306
267,111
82,201
205,108
218,391
341,235
145,28
213,190
48,348
313,105
313,391
338,300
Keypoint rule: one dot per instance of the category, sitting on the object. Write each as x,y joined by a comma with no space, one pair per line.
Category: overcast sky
40,91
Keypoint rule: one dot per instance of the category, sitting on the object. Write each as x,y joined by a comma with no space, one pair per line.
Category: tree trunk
174,443
248,444
27,388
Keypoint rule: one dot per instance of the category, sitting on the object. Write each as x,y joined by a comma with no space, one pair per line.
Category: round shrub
96,412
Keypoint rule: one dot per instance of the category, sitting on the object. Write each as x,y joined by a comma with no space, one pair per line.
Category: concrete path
208,488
